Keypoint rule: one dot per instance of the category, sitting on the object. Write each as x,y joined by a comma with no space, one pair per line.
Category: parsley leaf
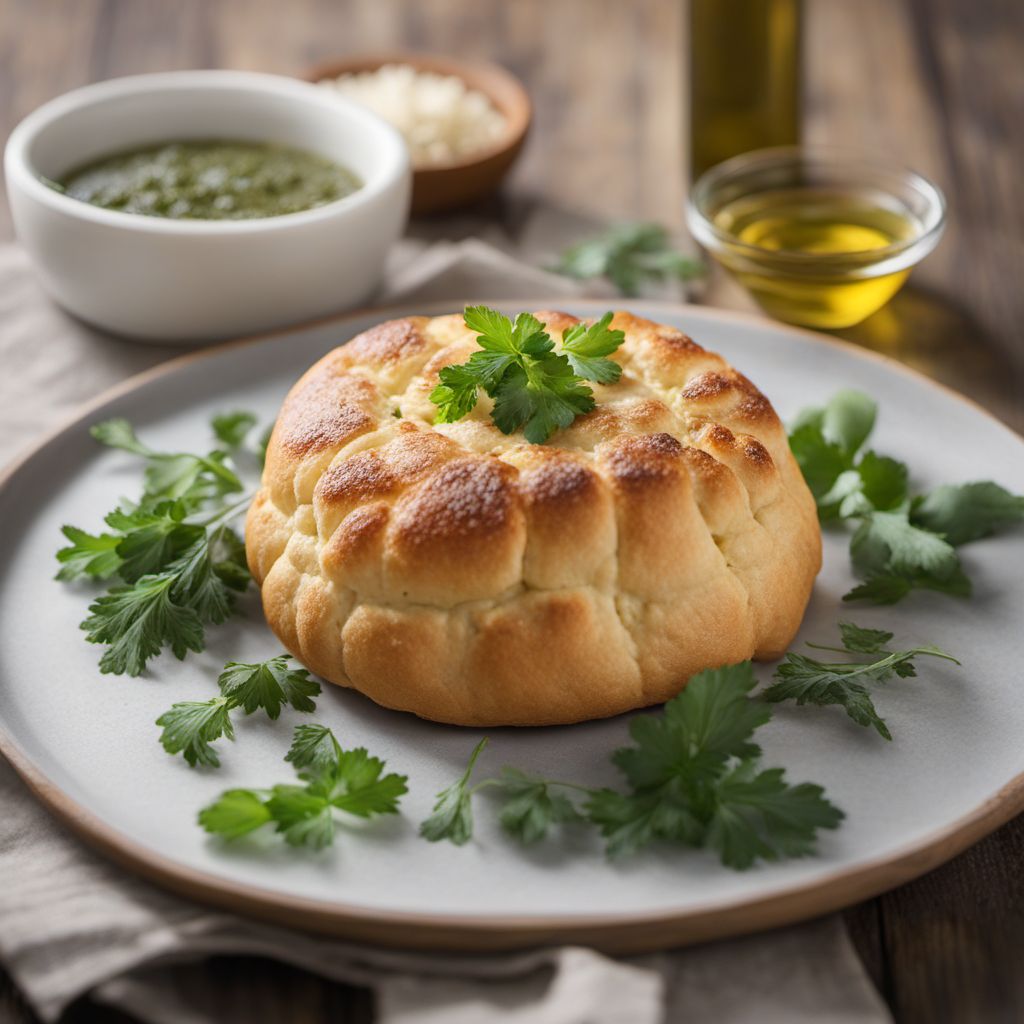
235,813
151,537
693,779
172,475
586,348
138,621
629,255
861,639
357,784
349,780
807,680
176,563
756,814
303,817
453,811
231,428
710,721
314,751
190,727
531,808
535,389
545,397
268,685
89,555
456,395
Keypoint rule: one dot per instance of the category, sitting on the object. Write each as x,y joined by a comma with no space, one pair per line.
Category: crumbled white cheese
441,119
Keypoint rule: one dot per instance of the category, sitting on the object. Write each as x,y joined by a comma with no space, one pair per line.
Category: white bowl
188,280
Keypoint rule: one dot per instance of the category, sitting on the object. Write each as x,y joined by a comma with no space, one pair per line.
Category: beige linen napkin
71,923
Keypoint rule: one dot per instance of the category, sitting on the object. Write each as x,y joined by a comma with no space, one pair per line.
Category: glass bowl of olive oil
821,238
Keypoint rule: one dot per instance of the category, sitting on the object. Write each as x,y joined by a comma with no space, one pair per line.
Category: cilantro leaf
888,587
820,461
902,543
268,685
848,419
883,481
191,726
231,428
807,680
453,811
629,255
89,555
531,808
586,348
966,512
888,540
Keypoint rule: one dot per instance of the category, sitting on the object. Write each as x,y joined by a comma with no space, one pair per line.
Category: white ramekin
158,279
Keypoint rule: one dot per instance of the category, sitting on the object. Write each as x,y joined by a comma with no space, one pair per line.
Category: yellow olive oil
852,230
744,77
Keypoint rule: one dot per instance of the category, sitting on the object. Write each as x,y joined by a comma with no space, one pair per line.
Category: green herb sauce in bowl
210,180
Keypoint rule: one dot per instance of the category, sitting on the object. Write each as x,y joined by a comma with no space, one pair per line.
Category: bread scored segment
470,577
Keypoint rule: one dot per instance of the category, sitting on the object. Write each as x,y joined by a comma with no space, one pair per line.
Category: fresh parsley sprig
175,563
807,680
189,727
693,778
901,542
535,389
191,479
332,780
232,428
629,255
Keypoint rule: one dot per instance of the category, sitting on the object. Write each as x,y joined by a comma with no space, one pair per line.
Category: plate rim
619,932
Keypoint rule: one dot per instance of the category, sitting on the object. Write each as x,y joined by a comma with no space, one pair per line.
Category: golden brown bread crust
472,578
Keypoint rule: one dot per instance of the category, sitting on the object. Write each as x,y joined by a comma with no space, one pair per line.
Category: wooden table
938,84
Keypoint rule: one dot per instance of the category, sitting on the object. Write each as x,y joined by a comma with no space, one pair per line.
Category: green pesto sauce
210,180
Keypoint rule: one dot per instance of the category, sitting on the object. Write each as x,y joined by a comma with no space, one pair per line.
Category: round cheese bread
470,577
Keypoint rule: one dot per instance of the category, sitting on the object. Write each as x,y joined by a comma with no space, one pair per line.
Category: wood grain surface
937,84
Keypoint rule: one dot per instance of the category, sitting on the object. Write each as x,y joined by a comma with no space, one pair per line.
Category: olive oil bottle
744,78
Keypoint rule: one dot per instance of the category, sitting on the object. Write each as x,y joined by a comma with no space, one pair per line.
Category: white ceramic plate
88,745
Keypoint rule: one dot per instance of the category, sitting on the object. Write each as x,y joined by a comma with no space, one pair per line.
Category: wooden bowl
448,186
